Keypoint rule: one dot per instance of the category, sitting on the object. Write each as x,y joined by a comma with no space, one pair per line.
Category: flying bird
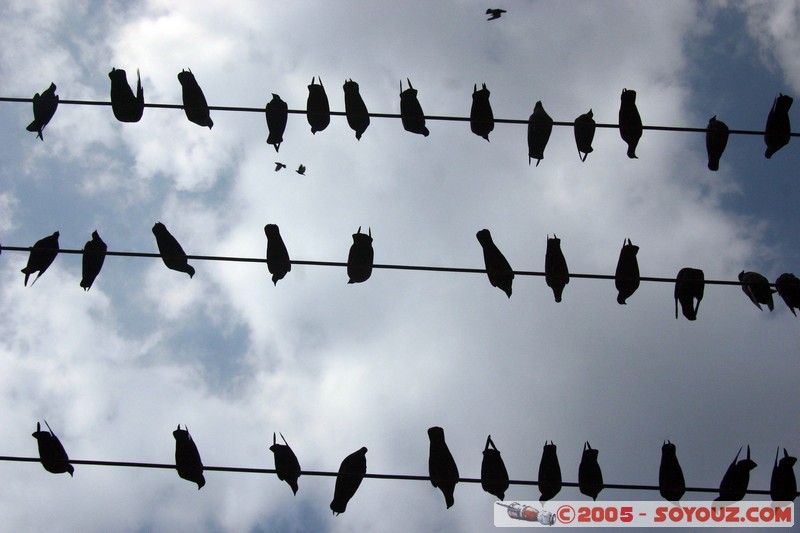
789,289
278,261
494,476
187,458
194,101
171,251
126,106
783,485
277,112
355,109
318,110
778,128
540,125
494,13
671,484
689,286
411,111
279,166
556,272
716,141
590,477
351,473
359,261
630,123
734,483
94,254
301,170
757,288
626,278
441,465
52,455
549,473
44,107
42,255
497,267
584,128
481,118
287,467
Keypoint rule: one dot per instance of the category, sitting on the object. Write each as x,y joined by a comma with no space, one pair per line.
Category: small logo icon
529,514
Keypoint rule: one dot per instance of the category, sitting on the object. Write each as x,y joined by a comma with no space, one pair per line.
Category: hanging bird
757,288
783,485
359,261
194,101
277,112
494,476
44,107
630,123
441,465
52,455
497,267
734,483
481,118
411,111
789,289
279,166
171,251
584,134
590,477
355,109
301,170
42,255
626,278
126,106
716,141
670,475
318,110
94,254
351,473
187,458
494,13
278,261
540,125
556,273
689,285
549,473
778,128
287,467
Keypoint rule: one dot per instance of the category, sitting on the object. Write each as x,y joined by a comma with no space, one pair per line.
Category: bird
671,484
351,473
187,458
778,130
44,107
359,260
277,112
494,476
630,123
734,483
481,118
194,101
52,455
757,288
278,261
279,166
626,278
689,286
42,255
411,114
441,465
171,251
497,268
556,272
716,141
287,467
301,170
789,289
549,473
355,109
584,129
318,110
783,484
126,106
540,125
494,13
94,254
590,477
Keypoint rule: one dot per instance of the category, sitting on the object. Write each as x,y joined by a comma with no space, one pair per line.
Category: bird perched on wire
441,465
194,101
277,113
279,166
301,170
42,255
757,288
494,13
351,473
287,467
126,106
187,458
171,251
94,254
52,455
497,267
630,122
44,107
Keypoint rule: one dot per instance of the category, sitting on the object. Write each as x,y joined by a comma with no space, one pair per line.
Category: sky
337,366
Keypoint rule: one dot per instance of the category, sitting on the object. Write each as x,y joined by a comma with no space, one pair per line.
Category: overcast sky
333,366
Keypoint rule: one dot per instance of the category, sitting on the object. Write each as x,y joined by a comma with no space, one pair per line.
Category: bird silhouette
494,13
540,125
497,267
52,455
94,254
171,251
789,289
626,278
734,483
549,473
689,286
194,101
126,106
287,467
630,123
671,484
584,128
556,272
411,111
42,255
301,170
44,107
355,109
590,477
359,261
716,141
778,130
494,476
318,110
481,118
757,288
187,458
277,112
783,485
351,473
279,166
441,465
278,261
